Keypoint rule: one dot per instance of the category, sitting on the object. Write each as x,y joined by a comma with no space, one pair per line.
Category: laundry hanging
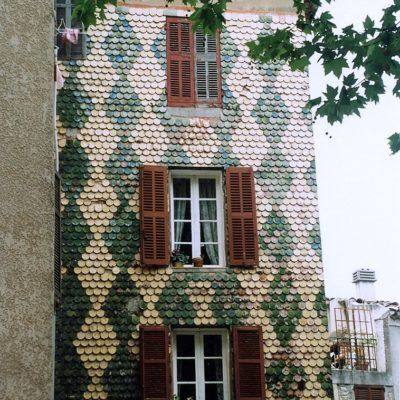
70,35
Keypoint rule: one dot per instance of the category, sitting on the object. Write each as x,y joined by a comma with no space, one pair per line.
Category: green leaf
299,64
314,102
394,143
336,66
368,23
396,89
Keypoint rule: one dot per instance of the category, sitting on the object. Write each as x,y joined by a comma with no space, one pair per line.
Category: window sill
199,269
194,112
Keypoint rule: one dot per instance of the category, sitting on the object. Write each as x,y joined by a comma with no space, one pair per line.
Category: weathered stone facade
113,117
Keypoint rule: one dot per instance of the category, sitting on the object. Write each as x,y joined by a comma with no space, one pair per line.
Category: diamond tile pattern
113,116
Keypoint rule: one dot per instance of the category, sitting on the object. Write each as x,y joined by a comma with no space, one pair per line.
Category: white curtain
180,212
208,211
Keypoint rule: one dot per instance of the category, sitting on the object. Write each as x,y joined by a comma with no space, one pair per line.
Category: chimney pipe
364,280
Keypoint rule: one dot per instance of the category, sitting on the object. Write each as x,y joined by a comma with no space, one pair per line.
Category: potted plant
178,259
198,262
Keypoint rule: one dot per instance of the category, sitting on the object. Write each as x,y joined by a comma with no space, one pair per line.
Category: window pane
208,232
213,370
186,392
212,346
209,252
182,209
181,187
61,15
185,249
214,391
208,209
186,370
207,188
185,345
183,231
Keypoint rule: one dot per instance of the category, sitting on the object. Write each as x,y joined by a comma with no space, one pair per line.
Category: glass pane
186,392
182,209
208,232
208,209
185,345
183,231
61,15
181,187
185,249
209,252
213,370
186,371
214,391
212,346
207,188
76,24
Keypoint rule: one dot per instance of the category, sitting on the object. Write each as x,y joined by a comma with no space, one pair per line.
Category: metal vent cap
364,275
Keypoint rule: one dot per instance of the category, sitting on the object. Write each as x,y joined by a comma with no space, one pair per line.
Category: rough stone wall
113,116
26,199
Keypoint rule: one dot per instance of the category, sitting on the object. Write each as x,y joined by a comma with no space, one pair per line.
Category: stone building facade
114,121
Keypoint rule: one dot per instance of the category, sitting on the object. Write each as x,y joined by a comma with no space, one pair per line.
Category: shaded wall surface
26,199
112,118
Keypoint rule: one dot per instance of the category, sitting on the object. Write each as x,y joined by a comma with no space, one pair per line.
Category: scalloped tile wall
112,117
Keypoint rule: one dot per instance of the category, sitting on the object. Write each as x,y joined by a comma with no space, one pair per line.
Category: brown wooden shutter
208,85
154,363
57,238
249,363
369,393
361,393
154,220
242,219
180,56
377,393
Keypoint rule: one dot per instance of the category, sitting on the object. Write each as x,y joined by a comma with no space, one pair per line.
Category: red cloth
70,35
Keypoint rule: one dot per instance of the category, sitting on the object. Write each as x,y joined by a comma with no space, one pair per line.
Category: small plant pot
198,262
178,264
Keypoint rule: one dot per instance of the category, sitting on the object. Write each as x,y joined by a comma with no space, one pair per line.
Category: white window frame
194,176
199,359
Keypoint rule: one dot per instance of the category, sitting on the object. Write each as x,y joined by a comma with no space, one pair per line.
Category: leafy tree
360,59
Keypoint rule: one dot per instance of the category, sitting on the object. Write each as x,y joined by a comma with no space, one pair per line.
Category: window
193,65
193,220
200,369
197,223
369,393
200,364
355,346
66,49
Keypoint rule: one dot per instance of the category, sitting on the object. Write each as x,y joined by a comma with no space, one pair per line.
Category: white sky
359,184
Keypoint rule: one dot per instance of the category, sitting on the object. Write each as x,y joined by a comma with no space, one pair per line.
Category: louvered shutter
154,363
249,363
207,67
242,221
154,237
377,393
369,393
57,238
361,393
180,53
